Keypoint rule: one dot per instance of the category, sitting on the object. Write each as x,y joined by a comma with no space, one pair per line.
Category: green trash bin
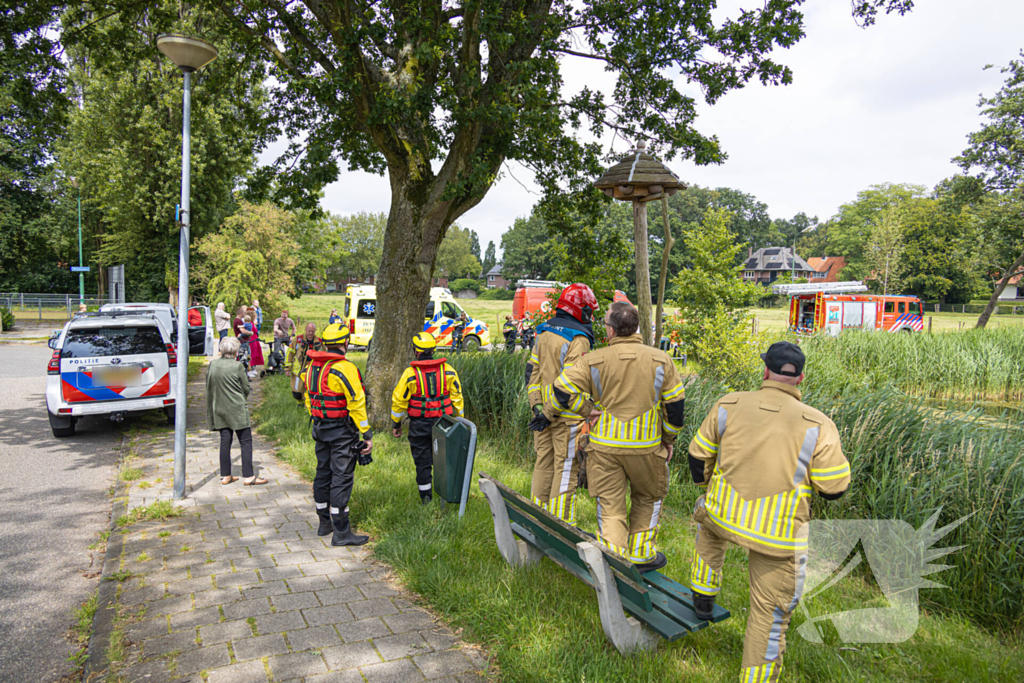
454,443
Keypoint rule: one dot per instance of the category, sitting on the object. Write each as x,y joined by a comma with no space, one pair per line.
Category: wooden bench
659,606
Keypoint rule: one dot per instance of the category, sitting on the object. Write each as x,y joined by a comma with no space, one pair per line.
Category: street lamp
81,274
188,54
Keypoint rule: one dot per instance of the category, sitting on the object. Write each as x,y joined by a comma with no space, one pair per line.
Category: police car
109,363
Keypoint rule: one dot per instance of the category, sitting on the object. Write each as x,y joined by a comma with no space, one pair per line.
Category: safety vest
324,403
430,395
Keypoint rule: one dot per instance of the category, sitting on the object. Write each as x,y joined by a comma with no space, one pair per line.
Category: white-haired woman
227,389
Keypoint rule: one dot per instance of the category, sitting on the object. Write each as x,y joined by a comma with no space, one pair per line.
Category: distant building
1013,291
765,266
495,280
339,284
826,268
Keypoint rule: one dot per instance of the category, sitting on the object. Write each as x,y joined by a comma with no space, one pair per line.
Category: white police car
109,363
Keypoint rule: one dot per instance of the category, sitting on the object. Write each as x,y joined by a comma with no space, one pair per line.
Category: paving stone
210,568
315,545
339,595
260,646
141,595
309,638
351,655
301,557
169,606
471,678
167,576
253,562
225,631
217,596
447,663
274,573
333,614
150,628
364,629
263,590
398,671
294,526
404,645
189,586
176,641
284,603
310,583
346,676
439,638
244,609
197,617
282,621
237,578
377,590
202,659
256,548
235,523
405,606
409,621
296,665
153,670
319,568
229,554
350,578
351,564
372,608
246,672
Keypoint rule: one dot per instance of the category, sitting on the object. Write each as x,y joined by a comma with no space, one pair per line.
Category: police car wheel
170,411
471,343
62,427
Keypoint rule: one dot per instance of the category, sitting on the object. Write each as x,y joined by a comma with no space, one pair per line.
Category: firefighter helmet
335,335
424,341
578,300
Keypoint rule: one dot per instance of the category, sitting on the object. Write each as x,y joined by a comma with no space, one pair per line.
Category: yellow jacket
407,385
761,454
297,359
343,378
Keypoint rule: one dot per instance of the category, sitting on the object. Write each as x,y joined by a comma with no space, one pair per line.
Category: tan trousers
557,469
632,531
776,585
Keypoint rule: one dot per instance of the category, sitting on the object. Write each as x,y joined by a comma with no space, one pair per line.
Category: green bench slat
567,531
658,621
682,594
627,589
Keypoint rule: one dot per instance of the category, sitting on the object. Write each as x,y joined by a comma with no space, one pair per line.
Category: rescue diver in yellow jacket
761,454
336,402
428,389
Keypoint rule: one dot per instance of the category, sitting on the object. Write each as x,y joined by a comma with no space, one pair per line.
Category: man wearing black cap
761,455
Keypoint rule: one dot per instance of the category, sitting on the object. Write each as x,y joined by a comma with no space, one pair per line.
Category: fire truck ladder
850,287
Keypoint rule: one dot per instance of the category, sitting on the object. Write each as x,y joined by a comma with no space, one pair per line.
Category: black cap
782,353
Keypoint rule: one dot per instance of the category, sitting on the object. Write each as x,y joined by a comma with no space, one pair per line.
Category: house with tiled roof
495,280
1014,290
826,268
766,265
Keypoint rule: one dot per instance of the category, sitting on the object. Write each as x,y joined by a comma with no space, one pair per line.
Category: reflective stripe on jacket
552,354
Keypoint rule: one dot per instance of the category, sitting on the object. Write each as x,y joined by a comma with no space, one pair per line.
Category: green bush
464,283
497,295
6,320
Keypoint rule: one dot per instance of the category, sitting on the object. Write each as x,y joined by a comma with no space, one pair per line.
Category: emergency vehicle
836,306
532,298
443,311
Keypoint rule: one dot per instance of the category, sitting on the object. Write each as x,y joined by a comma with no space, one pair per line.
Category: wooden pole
643,269
929,324
664,269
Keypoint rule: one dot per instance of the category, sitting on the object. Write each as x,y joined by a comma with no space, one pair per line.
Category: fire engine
836,306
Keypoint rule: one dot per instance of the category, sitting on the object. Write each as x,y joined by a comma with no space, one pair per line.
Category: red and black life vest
430,397
325,404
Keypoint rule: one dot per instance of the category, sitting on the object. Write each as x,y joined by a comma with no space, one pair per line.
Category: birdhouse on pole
640,178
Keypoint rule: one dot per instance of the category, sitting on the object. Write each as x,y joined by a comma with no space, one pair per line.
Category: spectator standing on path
284,329
298,359
257,318
335,318
761,454
255,347
227,412
223,320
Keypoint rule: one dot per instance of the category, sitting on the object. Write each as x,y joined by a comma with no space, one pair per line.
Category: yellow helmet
335,334
424,341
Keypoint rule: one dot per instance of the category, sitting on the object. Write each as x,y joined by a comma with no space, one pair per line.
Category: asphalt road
53,503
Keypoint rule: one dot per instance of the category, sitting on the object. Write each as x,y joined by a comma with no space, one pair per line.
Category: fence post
40,300
929,324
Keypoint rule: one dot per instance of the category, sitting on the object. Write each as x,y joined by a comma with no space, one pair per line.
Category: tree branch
300,35
265,41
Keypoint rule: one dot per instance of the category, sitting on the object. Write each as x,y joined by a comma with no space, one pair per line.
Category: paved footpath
242,589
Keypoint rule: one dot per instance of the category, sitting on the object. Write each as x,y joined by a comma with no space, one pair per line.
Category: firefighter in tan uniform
761,454
560,343
640,396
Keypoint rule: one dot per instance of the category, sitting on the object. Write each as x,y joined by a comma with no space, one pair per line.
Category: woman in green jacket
227,388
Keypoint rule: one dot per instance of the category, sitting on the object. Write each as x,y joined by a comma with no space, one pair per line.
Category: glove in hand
539,422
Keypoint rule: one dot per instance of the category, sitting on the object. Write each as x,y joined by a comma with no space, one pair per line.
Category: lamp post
81,275
188,54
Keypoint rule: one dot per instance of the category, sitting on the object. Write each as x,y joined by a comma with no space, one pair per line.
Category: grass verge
541,624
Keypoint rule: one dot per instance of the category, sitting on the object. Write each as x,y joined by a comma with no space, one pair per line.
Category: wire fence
29,306
1011,308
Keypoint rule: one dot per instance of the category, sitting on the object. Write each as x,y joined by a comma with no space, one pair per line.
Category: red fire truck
836,306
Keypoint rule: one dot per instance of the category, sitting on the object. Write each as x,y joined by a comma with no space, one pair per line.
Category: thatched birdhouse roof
639,176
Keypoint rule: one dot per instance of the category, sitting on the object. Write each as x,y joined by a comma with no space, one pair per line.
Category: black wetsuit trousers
421,444
335,464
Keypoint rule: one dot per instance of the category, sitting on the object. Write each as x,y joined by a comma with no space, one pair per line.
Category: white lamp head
189,54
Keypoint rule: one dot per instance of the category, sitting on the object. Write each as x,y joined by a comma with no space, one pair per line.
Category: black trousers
421,444
245,441
335,466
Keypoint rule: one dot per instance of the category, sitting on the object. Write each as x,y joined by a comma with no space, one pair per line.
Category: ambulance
836,306
439,319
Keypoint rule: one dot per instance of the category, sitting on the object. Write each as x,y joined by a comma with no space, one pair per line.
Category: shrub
464,283
497,295
6,320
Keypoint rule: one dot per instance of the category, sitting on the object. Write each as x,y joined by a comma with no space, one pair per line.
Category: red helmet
578,300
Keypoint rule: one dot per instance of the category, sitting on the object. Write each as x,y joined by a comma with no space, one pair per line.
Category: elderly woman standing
227,412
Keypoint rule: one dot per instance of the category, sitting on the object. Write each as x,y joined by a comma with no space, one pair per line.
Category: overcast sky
891,103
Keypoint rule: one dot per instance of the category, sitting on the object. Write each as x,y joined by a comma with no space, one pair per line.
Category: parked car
110,363
200,337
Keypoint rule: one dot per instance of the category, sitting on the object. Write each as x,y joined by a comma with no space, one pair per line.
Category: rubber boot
343,533
703,605
657,563
426,497
325,522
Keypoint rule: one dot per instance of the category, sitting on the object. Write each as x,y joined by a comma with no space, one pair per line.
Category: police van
443,311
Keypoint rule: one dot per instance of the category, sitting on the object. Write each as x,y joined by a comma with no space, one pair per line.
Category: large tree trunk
643,269
994,300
